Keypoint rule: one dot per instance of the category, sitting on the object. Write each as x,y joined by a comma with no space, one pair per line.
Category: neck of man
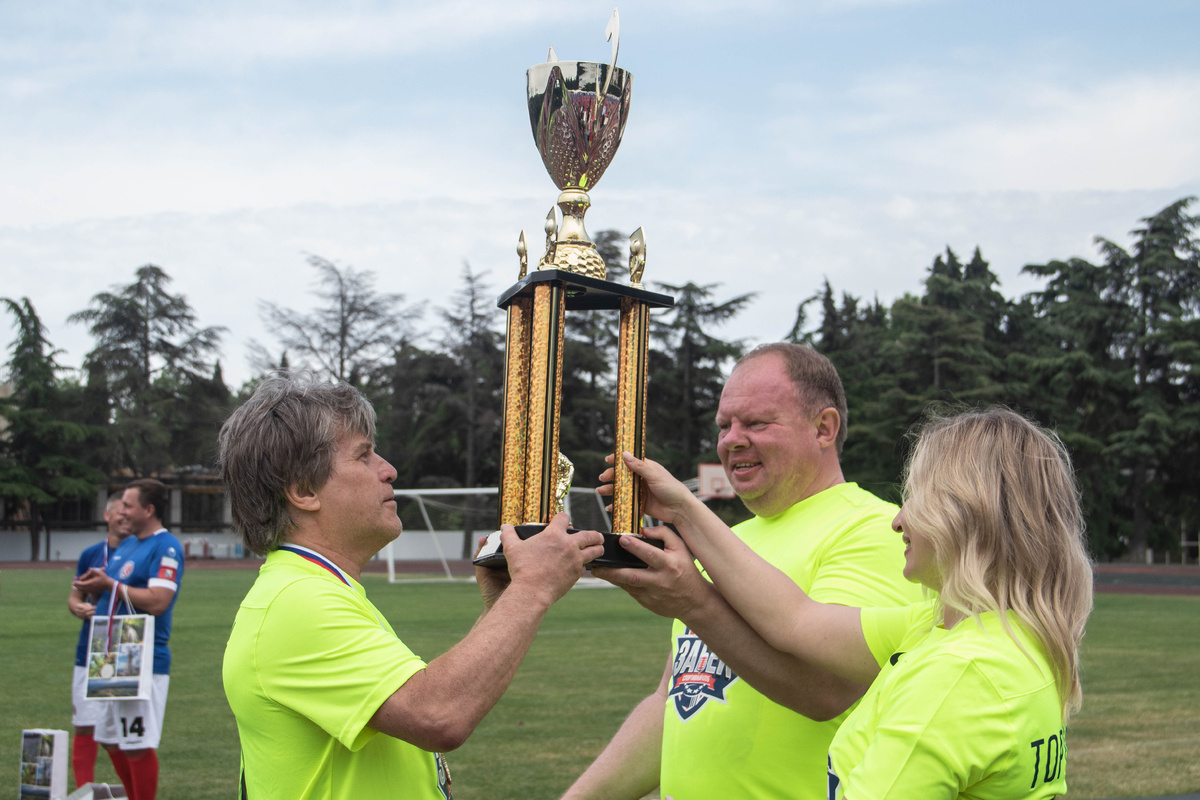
151,527
827,477
114,539
351,564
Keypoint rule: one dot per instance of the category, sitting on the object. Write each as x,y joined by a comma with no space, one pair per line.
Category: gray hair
284,436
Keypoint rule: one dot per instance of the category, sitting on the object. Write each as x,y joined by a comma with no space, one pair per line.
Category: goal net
442,526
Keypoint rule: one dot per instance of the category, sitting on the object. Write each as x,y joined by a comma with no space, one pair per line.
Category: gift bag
44,759
120,659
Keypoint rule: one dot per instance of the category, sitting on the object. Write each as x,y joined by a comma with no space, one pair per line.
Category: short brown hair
814,377
285,435
152,493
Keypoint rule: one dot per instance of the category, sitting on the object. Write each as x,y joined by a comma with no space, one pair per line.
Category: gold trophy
578,111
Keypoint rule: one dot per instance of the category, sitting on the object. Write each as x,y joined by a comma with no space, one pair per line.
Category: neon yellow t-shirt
309,662
721,738
959,713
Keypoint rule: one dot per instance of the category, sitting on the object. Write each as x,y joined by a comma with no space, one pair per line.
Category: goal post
436,521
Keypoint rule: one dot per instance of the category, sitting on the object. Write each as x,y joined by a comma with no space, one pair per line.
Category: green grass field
598,653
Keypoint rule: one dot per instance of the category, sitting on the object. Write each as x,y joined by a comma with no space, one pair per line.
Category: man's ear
303,499
829,422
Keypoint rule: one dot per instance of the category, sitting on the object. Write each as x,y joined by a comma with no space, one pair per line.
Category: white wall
66,546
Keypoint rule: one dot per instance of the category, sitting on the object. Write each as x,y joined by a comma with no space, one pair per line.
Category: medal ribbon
322,561
318,559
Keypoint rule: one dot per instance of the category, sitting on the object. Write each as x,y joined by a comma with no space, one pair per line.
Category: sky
770,145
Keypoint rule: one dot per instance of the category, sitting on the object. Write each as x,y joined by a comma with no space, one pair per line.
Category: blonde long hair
996,496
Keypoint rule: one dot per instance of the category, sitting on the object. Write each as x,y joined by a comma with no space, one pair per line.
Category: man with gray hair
329,702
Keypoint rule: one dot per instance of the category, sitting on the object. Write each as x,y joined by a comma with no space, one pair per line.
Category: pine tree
688,366
476,347
38,465
147,346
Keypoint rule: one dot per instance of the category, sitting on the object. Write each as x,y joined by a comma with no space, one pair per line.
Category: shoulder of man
861,559
88,558
166,555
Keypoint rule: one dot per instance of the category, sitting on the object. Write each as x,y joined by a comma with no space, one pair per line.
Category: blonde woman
971,689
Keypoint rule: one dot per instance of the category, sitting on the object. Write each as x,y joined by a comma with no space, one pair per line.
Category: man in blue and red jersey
84,713
142,577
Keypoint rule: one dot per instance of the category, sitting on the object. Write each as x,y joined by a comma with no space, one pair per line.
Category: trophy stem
633,348
574,204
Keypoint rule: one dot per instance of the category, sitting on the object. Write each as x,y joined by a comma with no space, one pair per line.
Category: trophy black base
491,555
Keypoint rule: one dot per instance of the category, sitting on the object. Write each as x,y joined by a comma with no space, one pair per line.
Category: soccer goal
440,525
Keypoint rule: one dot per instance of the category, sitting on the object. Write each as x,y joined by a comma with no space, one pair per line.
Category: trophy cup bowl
577,131
578,111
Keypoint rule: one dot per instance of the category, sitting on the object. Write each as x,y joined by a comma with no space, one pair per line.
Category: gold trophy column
631,413
516,413
545,401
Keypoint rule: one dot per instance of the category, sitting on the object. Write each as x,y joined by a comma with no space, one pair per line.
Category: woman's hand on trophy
670,585
667,499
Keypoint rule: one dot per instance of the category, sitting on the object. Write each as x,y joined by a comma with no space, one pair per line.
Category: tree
415,409
856,338
147,344
688,366
950,345
1159,284
349,337
37,461
193,417
1126,359
476,348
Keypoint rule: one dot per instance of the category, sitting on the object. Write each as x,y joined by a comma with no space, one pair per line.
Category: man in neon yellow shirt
732,716
329,702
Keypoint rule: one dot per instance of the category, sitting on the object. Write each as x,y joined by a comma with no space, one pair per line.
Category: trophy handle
612,33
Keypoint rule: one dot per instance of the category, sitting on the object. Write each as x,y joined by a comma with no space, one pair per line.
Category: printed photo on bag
120,658
41,777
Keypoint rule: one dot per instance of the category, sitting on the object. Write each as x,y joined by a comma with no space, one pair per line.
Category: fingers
622,577
589,538
592,552
648,553
509,537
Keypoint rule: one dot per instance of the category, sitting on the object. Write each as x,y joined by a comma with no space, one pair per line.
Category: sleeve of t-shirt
934,738
167,568
886,628
337,670
864,566
84,563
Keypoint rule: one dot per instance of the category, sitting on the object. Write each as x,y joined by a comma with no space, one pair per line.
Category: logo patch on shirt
126,570
697,676
167,568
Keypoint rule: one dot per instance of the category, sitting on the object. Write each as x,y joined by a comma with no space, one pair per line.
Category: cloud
228,35
920,130
1132,133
